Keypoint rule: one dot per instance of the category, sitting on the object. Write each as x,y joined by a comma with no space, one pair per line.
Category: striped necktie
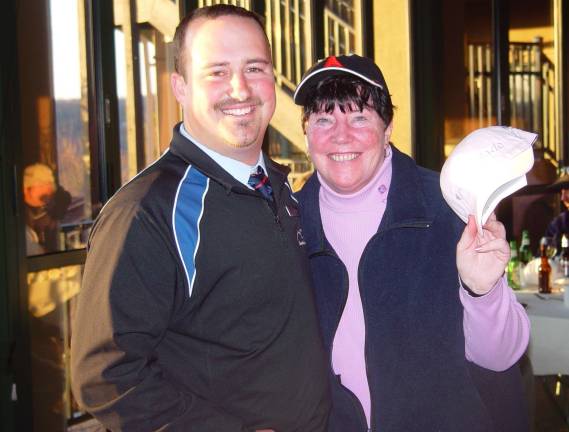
260,182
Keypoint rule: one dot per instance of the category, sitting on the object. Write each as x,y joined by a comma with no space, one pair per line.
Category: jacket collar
406,203
186,150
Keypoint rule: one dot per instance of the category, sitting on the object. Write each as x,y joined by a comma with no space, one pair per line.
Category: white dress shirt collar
238,170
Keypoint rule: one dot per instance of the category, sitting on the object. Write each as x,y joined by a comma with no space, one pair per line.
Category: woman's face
347,148
565,197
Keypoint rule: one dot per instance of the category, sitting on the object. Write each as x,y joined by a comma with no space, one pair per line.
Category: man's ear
178,87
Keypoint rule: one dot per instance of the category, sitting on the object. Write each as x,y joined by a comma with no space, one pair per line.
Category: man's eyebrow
225,63
259,60
214,64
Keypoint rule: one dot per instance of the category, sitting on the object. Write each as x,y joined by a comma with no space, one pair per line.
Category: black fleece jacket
196,312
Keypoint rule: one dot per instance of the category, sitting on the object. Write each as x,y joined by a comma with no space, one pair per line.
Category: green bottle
513,269
525,254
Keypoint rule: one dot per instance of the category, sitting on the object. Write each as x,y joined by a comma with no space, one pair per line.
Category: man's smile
238,112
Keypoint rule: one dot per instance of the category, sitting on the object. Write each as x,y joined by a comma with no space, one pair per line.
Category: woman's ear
387,133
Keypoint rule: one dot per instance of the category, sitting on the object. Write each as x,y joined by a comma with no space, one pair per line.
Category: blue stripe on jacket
188,211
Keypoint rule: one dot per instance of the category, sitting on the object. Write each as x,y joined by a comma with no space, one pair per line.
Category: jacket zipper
418,224
357,403
274,207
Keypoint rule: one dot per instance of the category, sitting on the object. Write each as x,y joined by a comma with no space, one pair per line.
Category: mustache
229,102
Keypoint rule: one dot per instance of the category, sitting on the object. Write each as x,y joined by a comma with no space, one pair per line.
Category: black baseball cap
561,183
353,64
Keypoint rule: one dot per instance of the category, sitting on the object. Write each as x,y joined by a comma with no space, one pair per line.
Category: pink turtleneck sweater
495,325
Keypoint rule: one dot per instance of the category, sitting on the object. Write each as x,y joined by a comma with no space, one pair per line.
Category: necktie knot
260,182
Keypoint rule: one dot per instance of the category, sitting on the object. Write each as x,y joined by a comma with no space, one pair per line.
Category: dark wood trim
56,260
317,27
186,6
259,8
564,114
14,340
103,101
426,54
501,69
367,28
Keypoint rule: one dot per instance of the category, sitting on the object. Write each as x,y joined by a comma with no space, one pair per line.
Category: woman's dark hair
350,93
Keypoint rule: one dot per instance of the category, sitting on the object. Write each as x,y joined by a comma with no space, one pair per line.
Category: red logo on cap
332,61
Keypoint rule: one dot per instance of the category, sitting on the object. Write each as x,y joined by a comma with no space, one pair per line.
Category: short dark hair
210,13
350,93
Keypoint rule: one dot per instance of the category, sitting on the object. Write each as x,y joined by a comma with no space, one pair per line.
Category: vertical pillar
392,28
134,121
561,44
501,69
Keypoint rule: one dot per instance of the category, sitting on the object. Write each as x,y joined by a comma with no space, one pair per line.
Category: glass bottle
513,269
544,270
564,256
525,254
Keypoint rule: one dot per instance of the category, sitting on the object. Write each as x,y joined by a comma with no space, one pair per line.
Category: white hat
484,168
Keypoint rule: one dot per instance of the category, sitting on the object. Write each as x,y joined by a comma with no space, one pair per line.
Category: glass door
59,207
72,164
58,202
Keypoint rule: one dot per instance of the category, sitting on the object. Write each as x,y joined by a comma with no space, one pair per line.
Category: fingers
495,245
495,227
468,235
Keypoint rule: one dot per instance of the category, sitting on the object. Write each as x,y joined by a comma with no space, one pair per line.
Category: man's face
38,195
228,92
347,148
565,197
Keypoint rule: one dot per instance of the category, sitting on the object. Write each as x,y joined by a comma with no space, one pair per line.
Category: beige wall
393,55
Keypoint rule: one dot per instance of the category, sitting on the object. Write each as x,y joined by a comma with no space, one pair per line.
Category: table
549,341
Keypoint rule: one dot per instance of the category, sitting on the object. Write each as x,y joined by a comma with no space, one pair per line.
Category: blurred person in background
46,204
560,224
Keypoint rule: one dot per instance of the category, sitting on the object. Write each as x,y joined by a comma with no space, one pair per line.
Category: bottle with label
544,269
525,254
513,269
564,256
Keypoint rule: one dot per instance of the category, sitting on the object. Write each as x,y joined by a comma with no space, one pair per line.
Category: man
196,311
46,204
411,348
560,224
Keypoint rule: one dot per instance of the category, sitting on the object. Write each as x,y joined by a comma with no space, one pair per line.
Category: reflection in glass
45,206
51,301
56,179
71,113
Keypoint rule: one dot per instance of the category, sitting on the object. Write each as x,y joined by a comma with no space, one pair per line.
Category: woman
421,328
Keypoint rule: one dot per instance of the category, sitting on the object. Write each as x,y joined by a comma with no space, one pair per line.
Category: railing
300,170
480,83
288,28
243,3
531,84
340,35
